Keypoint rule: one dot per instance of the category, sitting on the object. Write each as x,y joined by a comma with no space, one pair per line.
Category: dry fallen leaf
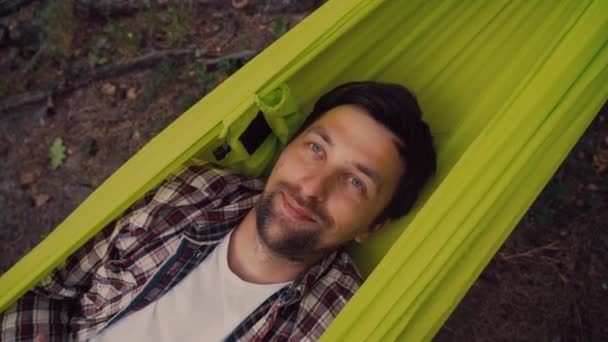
238,4
132,93
108,89
27,178
600,160
41,199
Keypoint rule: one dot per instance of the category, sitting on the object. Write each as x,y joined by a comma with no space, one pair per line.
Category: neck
251,260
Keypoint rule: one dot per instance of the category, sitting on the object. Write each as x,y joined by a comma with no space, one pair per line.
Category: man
207,257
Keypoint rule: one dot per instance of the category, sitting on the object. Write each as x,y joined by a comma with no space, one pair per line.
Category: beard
291,239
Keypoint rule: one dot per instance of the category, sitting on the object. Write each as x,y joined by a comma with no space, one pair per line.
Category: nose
316,185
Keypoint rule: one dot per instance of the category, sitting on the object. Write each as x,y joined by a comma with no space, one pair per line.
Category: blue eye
357,183
315,148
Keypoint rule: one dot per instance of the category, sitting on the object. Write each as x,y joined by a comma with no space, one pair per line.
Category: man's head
359,160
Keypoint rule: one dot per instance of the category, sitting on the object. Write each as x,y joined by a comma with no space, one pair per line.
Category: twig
23,100
531,252
579,320
235,55
112,70
235,30
34,60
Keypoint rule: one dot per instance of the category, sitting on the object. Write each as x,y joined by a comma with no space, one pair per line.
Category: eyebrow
371,174
321,132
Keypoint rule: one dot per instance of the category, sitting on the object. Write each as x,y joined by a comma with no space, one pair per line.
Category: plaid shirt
152,247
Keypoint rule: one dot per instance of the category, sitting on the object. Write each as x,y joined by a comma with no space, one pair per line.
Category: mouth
294,210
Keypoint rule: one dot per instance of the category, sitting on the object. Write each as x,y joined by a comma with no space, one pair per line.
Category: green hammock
507,86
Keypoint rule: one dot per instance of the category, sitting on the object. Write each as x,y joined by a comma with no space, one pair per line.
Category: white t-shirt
207,305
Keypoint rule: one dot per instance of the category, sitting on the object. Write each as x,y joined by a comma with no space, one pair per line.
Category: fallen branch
85,76
24,100
105,8
142,62
235,55
10,6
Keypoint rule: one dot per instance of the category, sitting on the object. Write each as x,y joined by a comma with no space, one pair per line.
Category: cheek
350,216
289,165
347,214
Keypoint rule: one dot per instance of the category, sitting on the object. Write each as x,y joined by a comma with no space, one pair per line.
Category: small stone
592,187
41,199
132,93
563,233
102,43
212,29
602,118
50,106
108,89
299,18
93,148
238,4
581,155
136,135
165,18
580,203
27,178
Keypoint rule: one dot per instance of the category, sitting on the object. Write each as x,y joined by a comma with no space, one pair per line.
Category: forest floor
77,124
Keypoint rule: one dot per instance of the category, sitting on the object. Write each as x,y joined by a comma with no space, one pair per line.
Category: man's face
328,185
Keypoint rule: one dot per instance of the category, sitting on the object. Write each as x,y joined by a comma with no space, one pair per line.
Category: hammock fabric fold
507,87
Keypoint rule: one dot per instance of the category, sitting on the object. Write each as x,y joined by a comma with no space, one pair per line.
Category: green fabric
507,87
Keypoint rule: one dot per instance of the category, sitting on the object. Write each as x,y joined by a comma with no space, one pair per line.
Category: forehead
358,138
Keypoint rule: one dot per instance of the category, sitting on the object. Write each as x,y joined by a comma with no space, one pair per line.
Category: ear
366,233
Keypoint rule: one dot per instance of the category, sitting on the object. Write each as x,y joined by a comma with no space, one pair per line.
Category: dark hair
394,107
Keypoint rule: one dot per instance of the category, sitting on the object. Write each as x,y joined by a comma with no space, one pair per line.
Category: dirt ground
549,282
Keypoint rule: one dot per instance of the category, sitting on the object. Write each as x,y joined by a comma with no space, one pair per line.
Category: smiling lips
294,210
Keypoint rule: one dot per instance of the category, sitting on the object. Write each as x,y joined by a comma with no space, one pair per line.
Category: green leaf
187,101
205,79
280,27
226,66
57,153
